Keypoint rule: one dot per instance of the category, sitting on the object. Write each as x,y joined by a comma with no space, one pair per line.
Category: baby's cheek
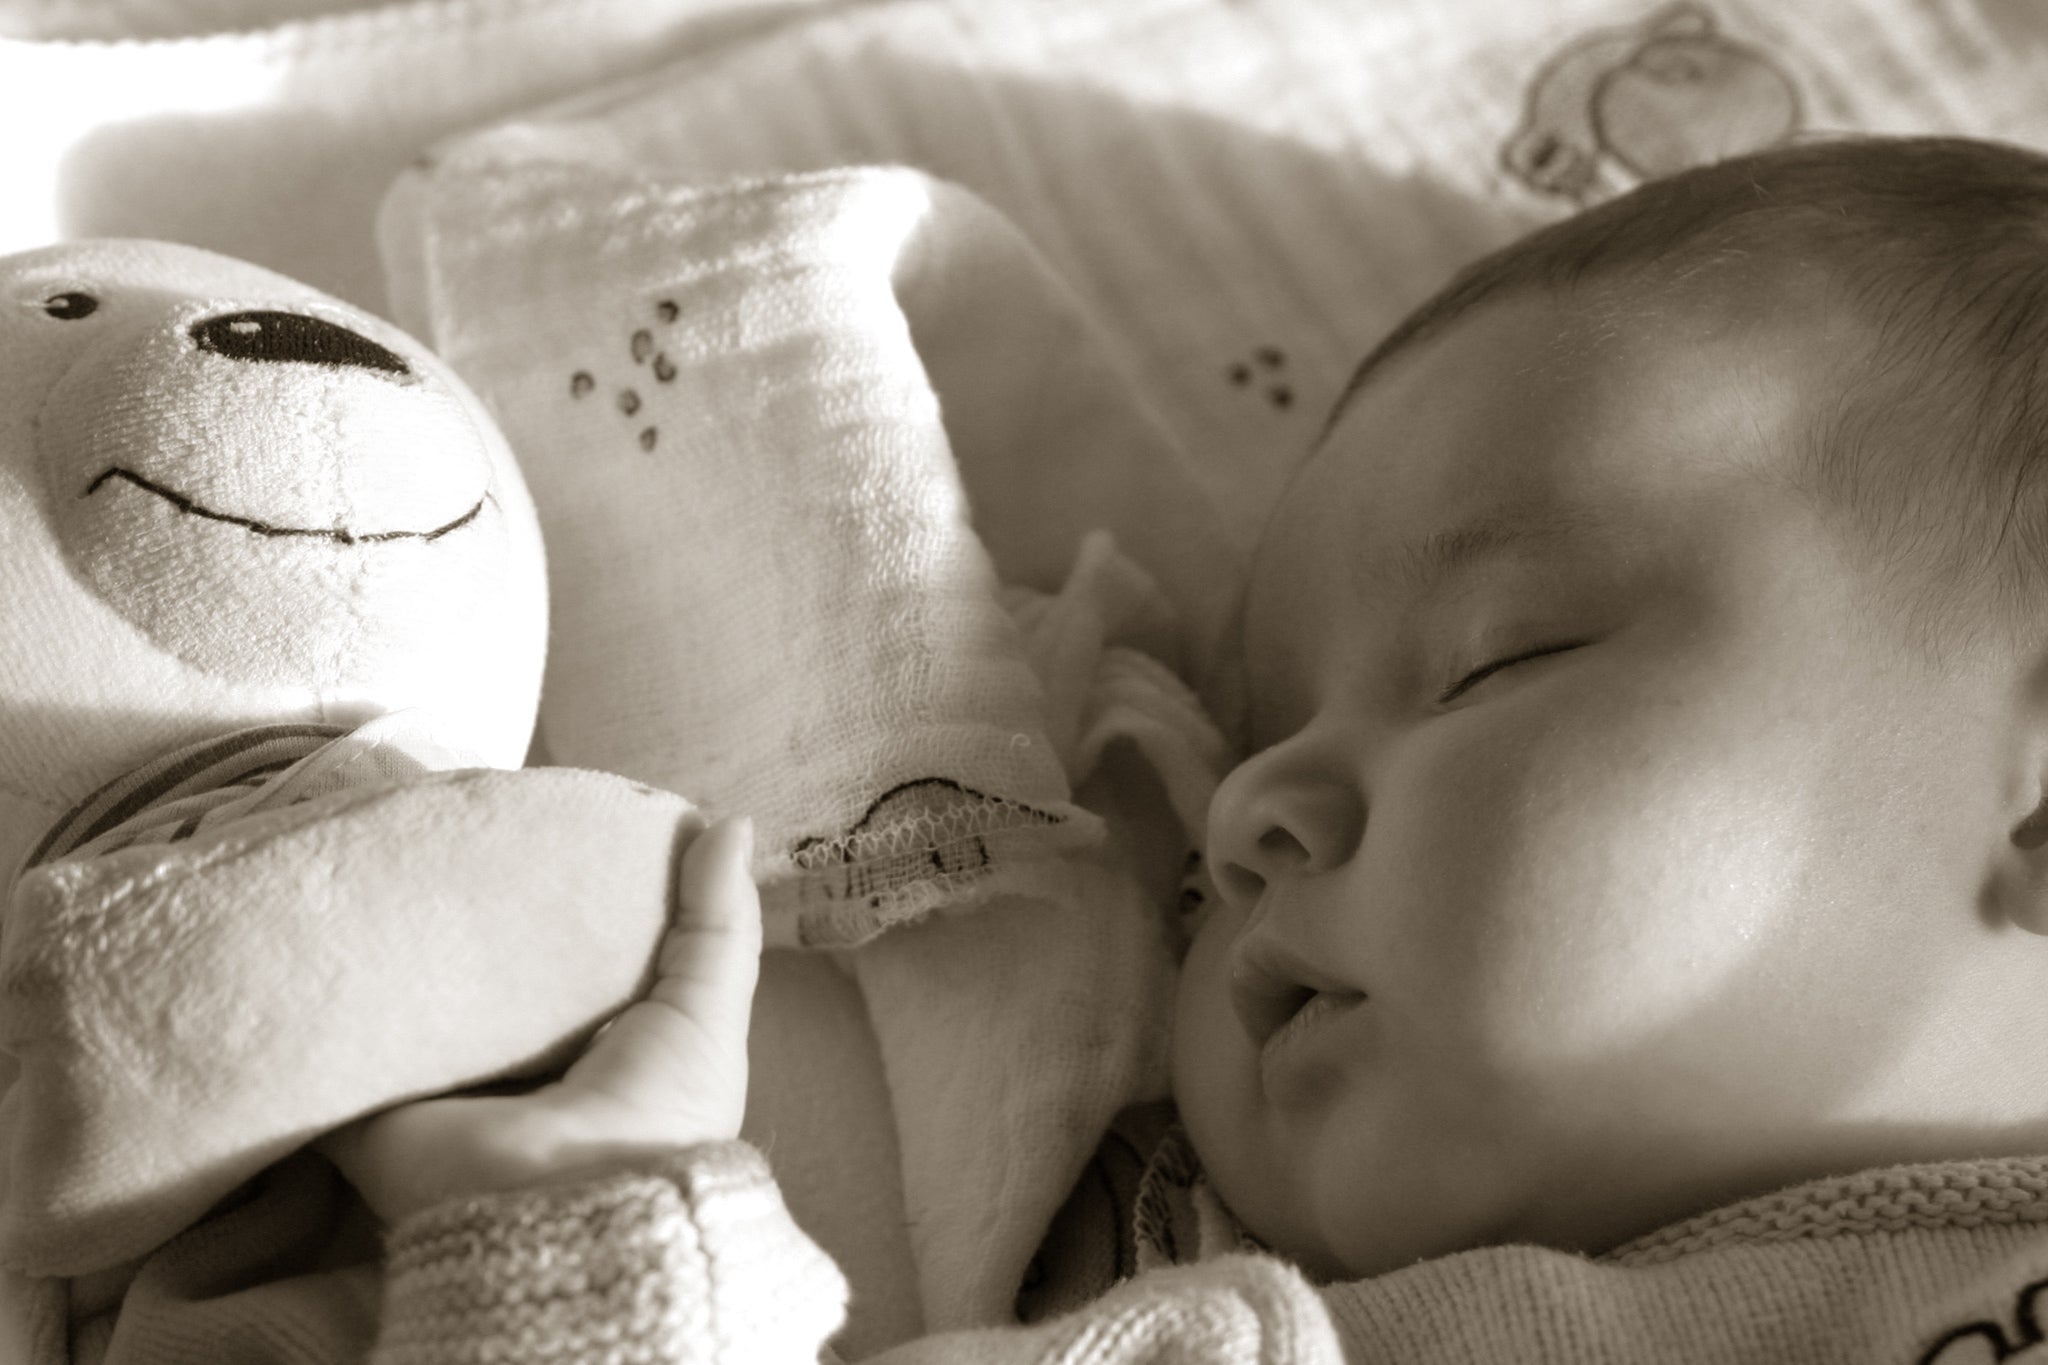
1214,1074
1609,896
1201,1008
1215,1086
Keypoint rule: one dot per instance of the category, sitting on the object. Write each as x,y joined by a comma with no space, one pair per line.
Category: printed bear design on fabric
1623,105
929,828
643,349
1985,1341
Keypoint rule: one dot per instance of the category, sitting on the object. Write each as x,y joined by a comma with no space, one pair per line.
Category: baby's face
1609,841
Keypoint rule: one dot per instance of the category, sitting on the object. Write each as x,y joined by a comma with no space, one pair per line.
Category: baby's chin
1282,1230
1253,1187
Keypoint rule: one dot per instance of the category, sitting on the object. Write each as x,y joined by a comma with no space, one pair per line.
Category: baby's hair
1933,458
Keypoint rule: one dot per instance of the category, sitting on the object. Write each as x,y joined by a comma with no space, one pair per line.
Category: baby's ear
2018,890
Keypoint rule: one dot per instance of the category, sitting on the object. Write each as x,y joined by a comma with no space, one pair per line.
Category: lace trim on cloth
1994,1191
921,845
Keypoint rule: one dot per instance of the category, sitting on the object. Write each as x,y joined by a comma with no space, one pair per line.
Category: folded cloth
749,413
721,388
1012,1038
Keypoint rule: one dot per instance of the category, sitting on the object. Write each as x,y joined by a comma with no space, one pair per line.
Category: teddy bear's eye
70,305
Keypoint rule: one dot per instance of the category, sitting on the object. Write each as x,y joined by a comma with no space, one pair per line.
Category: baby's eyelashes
1479,675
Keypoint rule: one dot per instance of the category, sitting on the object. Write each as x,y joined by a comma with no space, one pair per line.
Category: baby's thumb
710,958
681,1050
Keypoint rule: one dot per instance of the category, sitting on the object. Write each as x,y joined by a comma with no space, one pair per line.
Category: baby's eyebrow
1421,570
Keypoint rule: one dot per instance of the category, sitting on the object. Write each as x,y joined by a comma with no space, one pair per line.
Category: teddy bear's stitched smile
262,528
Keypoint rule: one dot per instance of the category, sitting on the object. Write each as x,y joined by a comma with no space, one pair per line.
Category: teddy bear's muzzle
271,336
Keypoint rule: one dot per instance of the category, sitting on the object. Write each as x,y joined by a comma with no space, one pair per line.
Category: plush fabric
275,604
187,1012
296,503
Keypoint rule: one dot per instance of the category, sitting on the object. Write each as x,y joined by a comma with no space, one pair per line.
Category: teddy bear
275,611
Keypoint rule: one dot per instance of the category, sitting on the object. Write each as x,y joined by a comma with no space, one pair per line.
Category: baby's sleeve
690,1260
694,1260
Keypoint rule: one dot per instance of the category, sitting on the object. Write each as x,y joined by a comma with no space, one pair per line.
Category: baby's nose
1278,815
1275,851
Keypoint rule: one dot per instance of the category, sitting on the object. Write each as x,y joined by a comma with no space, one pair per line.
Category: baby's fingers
711,956
678,1056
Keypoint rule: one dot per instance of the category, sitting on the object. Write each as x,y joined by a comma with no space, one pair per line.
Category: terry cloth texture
196,981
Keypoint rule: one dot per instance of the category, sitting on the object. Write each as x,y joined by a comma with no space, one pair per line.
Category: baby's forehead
1552,415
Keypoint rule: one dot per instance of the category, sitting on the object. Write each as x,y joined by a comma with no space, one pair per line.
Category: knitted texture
2002,1191
693,1261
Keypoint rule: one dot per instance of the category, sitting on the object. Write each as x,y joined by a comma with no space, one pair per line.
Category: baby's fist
669,1072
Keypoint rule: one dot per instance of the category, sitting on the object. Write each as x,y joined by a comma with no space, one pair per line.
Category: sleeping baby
1619,952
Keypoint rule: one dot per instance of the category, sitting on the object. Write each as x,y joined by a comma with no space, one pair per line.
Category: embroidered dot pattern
644,349
1265,370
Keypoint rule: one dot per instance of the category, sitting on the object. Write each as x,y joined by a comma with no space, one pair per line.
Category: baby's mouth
339,535
1293,1070
1316,1007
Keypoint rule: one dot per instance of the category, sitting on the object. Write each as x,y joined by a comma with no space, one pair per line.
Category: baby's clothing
262,767
694,1259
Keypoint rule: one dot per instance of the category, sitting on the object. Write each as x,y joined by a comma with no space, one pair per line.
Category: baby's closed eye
1474,677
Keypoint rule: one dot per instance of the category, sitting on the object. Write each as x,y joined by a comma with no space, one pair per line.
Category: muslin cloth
808,561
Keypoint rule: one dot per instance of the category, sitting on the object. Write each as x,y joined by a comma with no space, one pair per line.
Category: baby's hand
670,1071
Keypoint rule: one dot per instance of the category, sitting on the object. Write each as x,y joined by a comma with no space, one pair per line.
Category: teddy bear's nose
263,334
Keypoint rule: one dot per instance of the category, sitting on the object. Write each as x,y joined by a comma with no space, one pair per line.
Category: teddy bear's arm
185,1014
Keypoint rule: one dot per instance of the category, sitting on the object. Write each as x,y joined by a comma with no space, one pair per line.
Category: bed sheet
1249,190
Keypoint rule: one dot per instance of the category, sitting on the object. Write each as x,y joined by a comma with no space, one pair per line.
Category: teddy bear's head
227,499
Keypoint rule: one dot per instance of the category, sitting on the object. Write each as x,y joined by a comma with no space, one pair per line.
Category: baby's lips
1270,983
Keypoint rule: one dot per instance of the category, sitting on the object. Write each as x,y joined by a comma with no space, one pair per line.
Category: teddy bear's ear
227,499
